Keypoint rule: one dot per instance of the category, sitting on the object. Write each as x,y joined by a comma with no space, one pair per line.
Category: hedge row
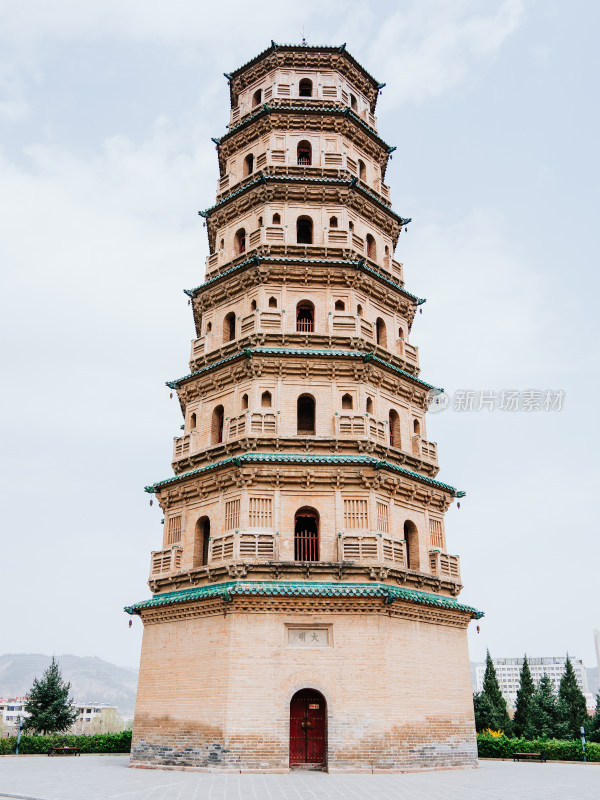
100,743
554,749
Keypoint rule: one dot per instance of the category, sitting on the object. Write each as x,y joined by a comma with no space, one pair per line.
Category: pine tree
572,706
48,704
542,712
524,696
594,731
489,704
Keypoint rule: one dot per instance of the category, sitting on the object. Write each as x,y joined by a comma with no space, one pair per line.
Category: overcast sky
106,112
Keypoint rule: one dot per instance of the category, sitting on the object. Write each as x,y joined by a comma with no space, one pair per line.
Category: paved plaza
107,778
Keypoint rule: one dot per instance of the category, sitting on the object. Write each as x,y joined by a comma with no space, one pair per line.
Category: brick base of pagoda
218,676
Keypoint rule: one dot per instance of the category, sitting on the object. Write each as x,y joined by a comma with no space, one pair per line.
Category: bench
64,751
537,756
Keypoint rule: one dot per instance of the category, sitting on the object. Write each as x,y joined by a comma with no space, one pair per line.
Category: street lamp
20,718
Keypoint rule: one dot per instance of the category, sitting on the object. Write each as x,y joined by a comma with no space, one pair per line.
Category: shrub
489,746
101,743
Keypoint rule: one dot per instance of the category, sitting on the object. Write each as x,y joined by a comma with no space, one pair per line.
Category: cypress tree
572,707
542,712
48,704
524,696
489,704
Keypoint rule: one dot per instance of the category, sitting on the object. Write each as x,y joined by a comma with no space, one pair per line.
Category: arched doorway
308,730
306,535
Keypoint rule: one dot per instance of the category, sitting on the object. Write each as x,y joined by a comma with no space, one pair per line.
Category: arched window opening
304,154
229,327
304,230
218,419
306,415
362,170
340,305
306,535
244,402
305,88
411,537
417,427
276,219
353,102
248,165
201,542
350,226
380,334
222,245
401,333
359,311
272,302
209,327
369,405
371,247
347,401
305,317
240,241
193,422
333,222
394,420
266,400
257,98
253,305
260,222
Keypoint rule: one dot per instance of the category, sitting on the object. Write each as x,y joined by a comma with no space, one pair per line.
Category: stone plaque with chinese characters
309,637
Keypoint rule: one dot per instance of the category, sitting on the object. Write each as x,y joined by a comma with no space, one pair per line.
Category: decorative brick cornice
226,591
307,460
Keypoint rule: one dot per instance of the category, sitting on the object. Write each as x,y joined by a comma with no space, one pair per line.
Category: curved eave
308,459
352,183
359,264
305,108
226,591
294,352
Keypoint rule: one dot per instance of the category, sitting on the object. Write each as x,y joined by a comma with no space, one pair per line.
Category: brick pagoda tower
304,608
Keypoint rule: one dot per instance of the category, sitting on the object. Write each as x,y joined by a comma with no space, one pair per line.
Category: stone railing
372,547
444,565
350,426
252,423
243,546
424,449
186,444
165,561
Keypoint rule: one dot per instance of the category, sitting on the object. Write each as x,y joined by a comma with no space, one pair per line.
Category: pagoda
303,610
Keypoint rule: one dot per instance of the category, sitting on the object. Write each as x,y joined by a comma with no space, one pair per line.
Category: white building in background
508,671
11,708
90,718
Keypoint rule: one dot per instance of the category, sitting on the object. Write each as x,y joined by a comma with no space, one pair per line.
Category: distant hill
92,679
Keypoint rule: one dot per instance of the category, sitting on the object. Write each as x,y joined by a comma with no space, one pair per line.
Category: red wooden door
307,729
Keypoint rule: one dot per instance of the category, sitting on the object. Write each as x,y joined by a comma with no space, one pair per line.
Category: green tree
572,709
525,694
489,704
48,704
594,728
543,713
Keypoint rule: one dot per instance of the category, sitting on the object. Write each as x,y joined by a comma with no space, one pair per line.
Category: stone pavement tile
108,778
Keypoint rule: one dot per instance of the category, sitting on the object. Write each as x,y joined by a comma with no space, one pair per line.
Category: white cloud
430,47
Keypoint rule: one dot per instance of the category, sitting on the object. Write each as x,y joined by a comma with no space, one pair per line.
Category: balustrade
165,561
444,565
374,548
243,546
